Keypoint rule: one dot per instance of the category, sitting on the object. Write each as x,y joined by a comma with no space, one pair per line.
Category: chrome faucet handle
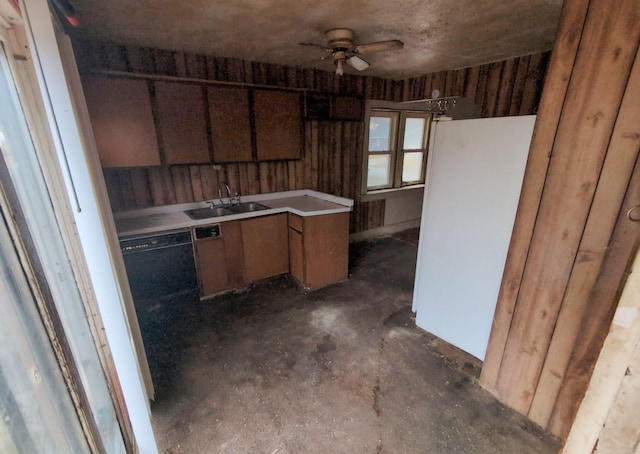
236,199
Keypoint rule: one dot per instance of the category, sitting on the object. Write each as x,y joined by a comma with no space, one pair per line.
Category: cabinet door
278,122
122,121
219,260
233,252
182,123
296,255
265,243
326,249
230,124
296,247
211,266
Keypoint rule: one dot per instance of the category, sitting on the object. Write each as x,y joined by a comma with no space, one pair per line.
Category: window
395,147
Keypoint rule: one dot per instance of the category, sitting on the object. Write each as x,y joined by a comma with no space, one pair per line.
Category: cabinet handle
631,216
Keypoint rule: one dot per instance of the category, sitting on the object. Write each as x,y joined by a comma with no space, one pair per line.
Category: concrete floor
274,369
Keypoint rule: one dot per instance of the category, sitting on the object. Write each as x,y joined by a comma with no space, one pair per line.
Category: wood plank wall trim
567,216
613,183
331,160
596,321
560,68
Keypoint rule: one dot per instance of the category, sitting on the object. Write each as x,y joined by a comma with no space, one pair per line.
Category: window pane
32,194
378,170
413,134
380,134
412,167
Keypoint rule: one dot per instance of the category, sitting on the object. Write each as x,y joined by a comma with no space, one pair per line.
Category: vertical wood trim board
331,154
611,188
544,134
582,155
602,303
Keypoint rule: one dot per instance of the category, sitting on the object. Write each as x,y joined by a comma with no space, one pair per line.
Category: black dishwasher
160,266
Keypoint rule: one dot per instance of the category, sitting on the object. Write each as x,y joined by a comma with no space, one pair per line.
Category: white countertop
173,217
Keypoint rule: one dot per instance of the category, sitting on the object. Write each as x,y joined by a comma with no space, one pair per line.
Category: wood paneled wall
572,241
331,160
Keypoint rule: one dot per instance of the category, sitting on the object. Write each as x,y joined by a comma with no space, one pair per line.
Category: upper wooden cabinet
182,122
278,123
122,121
229,113
323,106
190,123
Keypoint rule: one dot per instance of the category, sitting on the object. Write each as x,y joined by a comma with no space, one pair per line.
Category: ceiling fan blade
326,49
357,63
378,47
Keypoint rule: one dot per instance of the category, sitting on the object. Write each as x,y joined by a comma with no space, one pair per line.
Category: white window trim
401,110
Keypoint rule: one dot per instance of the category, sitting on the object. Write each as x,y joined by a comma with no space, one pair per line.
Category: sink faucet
231,199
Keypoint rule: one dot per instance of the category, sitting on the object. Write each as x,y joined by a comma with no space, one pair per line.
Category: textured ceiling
438,34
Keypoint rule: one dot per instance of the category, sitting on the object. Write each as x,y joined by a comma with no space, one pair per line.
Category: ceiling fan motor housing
340,38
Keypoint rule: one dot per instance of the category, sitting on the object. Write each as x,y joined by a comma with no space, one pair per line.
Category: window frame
399,112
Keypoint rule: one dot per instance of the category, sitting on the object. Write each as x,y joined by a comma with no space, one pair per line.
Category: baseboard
385,230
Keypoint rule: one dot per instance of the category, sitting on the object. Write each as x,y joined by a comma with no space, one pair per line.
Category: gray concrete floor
274,369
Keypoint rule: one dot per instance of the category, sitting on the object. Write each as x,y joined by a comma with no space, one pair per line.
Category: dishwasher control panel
210,231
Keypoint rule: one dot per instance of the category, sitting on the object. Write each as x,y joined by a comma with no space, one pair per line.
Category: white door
475,175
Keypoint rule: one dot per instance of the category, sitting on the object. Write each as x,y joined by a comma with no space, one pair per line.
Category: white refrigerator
474,178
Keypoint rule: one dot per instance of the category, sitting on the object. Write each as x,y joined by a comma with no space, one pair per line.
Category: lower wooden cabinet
319,248
296,254
218,255
236,253
265,247
232,254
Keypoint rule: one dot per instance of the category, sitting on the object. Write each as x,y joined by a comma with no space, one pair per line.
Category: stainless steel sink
204,213
247,207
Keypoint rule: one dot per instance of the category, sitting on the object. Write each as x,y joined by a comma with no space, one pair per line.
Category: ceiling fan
340,46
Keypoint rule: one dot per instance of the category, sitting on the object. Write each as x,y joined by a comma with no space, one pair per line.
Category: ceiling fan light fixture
339,67
357,63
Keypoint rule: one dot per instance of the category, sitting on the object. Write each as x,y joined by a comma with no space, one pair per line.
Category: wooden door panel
210,262
278,123
230,117
122,121
265,243
296,255
182,124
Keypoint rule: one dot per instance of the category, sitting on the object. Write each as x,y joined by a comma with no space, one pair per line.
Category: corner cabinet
122,121
319,249
278,124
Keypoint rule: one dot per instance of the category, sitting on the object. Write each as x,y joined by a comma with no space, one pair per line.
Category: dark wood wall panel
572,241
331,160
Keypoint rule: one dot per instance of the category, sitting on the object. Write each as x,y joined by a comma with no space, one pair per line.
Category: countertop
173,217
